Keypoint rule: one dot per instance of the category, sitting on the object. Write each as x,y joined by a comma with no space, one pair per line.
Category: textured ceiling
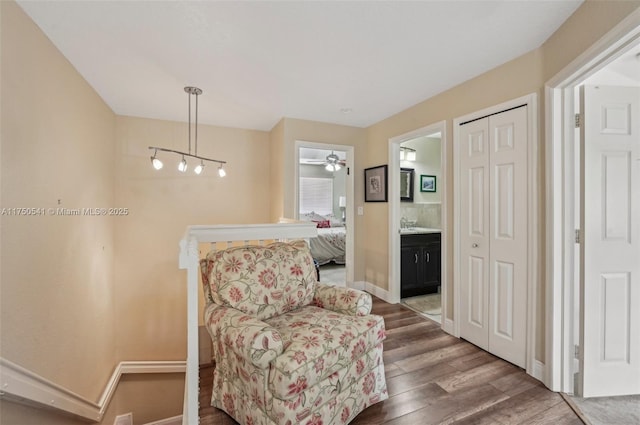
352,63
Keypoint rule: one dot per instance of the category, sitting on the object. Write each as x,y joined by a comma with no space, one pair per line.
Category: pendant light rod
193,91
189,117
188,154
196,139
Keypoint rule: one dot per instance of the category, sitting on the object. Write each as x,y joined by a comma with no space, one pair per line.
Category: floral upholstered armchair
289,350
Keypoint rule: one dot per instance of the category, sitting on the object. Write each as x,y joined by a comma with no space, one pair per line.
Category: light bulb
199,168
336,167
221,171
182,166
157,164
329,167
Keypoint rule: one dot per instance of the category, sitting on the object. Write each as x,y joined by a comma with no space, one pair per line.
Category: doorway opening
597,66
417,220
324,194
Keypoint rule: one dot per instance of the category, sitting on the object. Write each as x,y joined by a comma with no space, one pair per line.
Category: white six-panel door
493,240
610,307
474,231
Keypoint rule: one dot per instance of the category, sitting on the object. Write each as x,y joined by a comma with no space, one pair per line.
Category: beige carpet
333,273
623,410
428,304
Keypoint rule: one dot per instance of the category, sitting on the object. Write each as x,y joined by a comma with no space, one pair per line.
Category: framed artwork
375,184
427,183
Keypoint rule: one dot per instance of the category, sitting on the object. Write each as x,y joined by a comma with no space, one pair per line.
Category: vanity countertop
419,230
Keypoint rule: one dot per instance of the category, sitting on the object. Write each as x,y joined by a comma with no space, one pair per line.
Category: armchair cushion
242,335
319,343
262,281
342,300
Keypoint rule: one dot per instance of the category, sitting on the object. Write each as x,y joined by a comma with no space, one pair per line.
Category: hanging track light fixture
182,165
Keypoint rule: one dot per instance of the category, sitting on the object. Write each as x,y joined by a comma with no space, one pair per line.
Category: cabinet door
409,270
431,263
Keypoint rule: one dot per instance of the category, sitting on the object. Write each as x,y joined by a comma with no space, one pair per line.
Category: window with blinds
316,194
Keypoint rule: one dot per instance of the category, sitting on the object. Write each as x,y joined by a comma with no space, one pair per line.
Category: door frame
560,186
394,210
349,190
533,367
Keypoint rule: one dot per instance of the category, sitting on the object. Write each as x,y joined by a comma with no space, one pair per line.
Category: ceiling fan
332,162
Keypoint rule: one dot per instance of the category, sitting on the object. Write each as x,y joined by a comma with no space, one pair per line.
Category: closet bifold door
508,229
493,293
474,232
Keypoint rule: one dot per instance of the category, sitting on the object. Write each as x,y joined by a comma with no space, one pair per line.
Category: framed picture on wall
427,183
375,184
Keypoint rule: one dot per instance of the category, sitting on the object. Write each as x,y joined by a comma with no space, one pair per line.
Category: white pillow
312,216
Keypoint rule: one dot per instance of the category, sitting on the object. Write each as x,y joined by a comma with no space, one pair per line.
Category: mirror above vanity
406,184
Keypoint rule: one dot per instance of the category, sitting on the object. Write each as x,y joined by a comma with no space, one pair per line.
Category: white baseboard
383,294
538,371
363,285
176,420
26,387
448,326
358,285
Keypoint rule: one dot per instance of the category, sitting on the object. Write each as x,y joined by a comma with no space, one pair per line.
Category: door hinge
576,351
348,171
577,235
577,121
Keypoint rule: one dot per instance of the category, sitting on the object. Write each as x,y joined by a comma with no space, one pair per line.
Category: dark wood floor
434,378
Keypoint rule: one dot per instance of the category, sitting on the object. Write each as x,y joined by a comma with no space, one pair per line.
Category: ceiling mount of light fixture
332,162
407,154
182,165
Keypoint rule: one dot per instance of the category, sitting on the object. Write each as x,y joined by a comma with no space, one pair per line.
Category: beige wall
151,396
523,75
319,132
149,287
56,281
57,311
592,20
276,143
17,414
511,80
81,293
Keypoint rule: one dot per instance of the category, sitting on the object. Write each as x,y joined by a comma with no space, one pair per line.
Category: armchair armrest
342,300
244,335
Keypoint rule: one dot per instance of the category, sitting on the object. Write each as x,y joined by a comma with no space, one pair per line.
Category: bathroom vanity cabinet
419,264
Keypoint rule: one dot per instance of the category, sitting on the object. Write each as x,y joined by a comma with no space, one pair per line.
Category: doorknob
474,245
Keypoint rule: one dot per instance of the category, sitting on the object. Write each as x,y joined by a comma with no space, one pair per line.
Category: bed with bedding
329,245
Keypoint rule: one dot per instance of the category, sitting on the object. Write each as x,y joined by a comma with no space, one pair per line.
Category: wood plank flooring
434,378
